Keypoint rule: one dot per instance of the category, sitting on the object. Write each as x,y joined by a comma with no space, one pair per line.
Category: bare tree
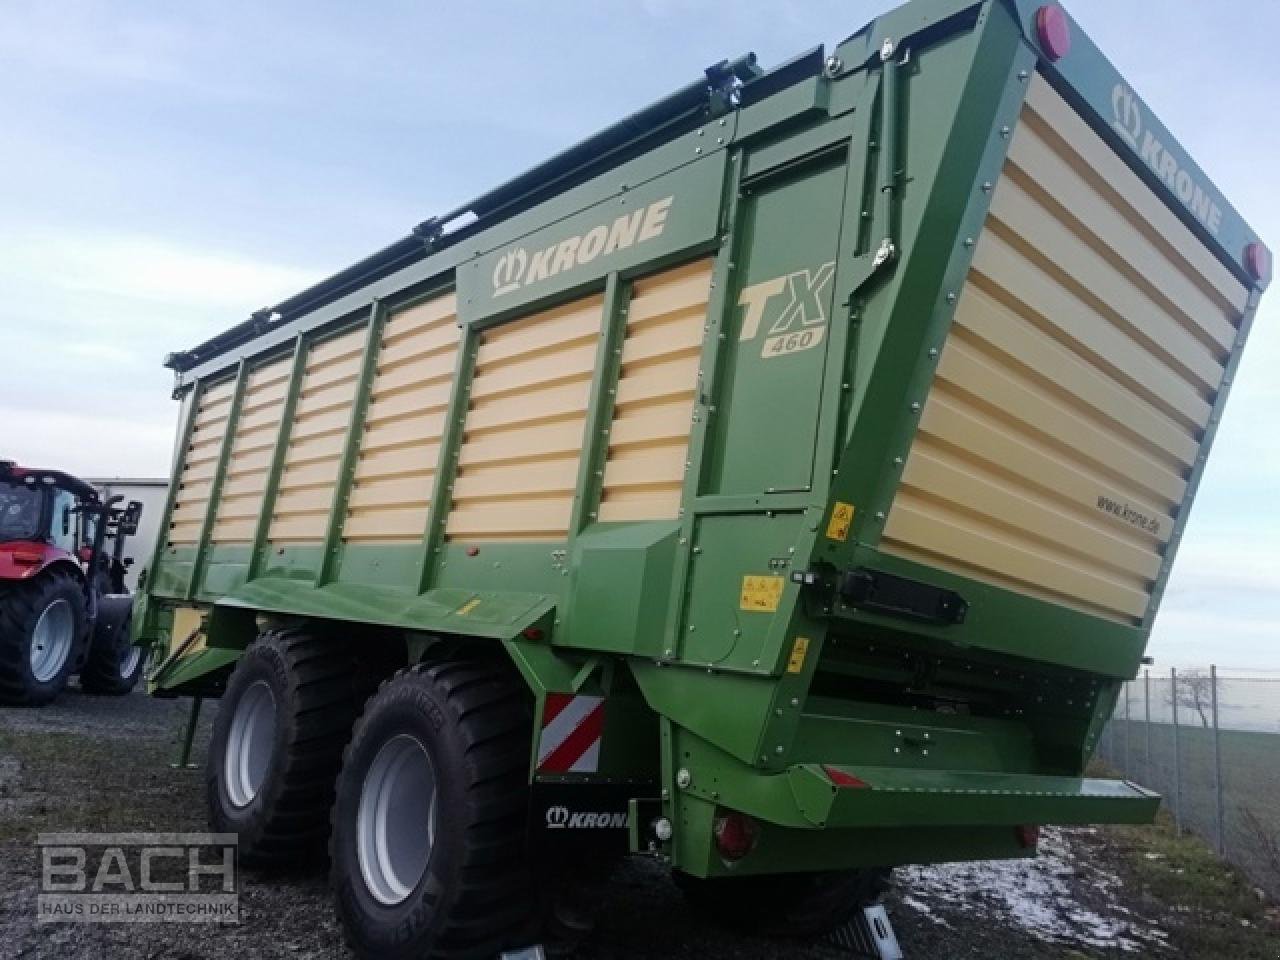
1194,689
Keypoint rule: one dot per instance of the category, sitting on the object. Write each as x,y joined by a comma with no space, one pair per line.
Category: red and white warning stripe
572,727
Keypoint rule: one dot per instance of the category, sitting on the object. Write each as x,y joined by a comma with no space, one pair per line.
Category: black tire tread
326,698
101,671
18,603
488,705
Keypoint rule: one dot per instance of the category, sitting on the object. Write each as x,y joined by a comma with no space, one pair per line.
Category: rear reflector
1257,260
26,559
842,779
736,835
1053,31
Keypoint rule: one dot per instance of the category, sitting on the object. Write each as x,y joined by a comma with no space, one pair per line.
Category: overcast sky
168,167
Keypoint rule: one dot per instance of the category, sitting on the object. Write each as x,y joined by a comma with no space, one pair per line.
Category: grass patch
1209,908
68,781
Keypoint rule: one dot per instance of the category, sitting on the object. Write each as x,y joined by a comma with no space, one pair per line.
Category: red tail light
736,835
85,554
1053,31
1257,260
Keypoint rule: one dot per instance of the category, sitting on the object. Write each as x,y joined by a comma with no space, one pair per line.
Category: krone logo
1128,115
518,267
560,818
509,270
1128,121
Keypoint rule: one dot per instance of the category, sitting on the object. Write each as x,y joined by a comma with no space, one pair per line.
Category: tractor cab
64,608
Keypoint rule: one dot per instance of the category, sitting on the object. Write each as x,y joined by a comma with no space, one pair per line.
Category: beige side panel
316,439
256,430
522,439
404,423
1073,391
652,418
199,462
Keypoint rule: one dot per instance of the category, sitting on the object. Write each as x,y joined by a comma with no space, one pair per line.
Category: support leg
188,736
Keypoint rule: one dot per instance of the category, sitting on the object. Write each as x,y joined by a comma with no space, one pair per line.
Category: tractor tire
277,742
114,663
41,626
428,849
791,905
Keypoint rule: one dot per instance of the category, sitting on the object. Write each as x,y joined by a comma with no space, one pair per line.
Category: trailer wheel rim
129,658
250,743
396,821
52,639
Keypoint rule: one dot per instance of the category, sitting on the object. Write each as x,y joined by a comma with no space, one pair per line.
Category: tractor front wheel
428,845
114,663
41,624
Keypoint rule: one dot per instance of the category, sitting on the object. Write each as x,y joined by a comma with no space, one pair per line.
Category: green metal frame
351,446
913,116
204,544
271,487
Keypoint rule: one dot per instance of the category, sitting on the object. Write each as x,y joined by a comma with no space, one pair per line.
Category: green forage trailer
781,483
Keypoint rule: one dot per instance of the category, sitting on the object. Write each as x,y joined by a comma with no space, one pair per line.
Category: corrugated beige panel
404,423
1070,401
522,439
254,441
652,418
199,463
316,439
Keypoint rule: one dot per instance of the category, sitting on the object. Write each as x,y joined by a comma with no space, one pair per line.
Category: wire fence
1209,742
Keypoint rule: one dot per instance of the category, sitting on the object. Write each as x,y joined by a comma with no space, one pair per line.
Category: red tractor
64,608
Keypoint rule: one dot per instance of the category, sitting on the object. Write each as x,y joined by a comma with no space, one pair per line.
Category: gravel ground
102,764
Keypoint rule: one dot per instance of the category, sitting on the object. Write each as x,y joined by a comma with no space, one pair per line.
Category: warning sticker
841,520
467,607
760,594
796,663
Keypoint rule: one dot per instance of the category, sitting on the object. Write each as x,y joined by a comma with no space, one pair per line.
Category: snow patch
1039,896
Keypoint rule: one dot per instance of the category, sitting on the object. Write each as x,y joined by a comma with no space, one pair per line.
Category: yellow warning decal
761,594
796,663
841,520
467,607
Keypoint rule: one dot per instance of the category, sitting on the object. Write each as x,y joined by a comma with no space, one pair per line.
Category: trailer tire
428,848
114,664
42,623
790,905
277,742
